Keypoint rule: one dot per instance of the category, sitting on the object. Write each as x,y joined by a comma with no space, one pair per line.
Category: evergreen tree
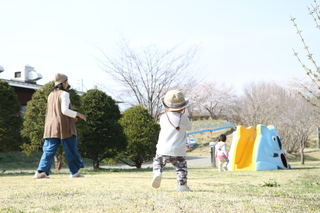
142,134
34,117
101,136
10,119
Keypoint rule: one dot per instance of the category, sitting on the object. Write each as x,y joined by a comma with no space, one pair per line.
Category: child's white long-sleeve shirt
171,141
221,150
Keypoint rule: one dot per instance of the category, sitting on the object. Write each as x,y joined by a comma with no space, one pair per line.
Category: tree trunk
301,152
58,158
212,115
138,161
138,165
302,157
95,164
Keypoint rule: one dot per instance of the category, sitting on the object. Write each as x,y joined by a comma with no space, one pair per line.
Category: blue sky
242,40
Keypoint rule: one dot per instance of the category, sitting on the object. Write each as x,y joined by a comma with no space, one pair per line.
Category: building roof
22,84
28,85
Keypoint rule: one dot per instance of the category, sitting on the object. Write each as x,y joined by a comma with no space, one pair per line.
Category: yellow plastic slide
242,149
256,149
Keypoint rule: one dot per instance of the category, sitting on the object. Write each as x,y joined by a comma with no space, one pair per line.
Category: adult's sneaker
76,175
39,175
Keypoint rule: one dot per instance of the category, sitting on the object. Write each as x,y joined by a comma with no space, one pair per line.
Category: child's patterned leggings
179,163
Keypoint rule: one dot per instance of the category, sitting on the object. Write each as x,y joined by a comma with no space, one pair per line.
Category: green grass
129,190
19,161
296,190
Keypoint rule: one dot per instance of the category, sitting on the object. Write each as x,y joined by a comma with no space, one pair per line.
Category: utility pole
81,84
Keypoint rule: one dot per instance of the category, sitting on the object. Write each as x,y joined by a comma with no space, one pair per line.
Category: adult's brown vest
58,125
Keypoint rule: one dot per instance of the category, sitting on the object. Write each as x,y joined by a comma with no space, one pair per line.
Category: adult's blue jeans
70,146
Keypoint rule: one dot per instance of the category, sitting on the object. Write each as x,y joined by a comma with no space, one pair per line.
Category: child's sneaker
182,188
76,175
39,175
156,181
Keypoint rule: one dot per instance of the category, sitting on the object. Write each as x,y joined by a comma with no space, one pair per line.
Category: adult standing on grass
60,128
171,147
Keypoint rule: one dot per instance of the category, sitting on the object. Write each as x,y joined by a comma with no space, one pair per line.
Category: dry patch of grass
294,190
129,190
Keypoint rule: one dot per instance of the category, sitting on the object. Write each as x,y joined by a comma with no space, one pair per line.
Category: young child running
171,147
221,153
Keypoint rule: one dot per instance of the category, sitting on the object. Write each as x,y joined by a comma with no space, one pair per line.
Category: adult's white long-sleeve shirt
171,141
65,102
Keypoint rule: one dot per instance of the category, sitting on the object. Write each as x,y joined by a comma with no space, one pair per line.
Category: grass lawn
296,190
129,190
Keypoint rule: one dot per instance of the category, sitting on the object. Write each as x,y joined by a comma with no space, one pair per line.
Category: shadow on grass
102,170
305,168
29,173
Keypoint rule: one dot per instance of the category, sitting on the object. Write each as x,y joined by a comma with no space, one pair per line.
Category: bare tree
272,104
312,70
147,74
298,120
259,103
300,116
195,101
213,97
